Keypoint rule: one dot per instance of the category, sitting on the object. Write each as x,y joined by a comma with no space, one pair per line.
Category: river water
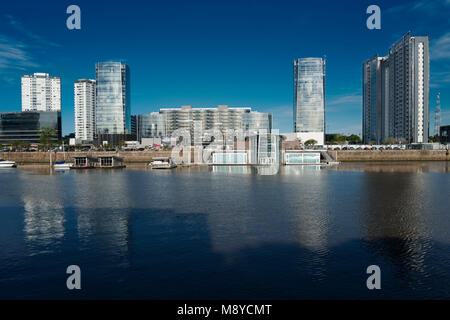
227,232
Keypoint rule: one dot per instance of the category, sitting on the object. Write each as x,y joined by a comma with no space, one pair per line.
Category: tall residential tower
85,95
399,105
309,99
41,92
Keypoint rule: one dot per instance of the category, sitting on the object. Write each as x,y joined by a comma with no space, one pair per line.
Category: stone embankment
390,155
146,156
44,157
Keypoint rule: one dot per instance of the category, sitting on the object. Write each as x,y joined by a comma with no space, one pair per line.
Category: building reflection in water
263,211
387,167
102,204
310,215
396,220
231,169
43,202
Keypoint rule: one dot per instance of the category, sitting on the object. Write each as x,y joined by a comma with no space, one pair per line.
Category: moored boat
163,163
62,165
7,164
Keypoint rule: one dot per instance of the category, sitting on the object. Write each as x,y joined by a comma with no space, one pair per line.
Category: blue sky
206,53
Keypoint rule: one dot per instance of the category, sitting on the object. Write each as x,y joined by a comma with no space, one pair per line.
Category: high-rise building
396,93
41,92
113,98
374,110
309,98
84,96
198,120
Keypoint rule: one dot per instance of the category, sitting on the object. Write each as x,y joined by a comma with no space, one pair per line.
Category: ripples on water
227,232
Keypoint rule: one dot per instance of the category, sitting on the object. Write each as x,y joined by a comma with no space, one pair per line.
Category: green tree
434,138
353,139
47,134
310,142
335,138
389,140
16,144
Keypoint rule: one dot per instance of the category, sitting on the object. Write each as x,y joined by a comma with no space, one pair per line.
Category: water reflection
102,201
397,219
306,232
231,169
43,203
404,166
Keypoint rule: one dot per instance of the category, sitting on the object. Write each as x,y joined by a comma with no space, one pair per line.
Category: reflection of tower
397,220
437,115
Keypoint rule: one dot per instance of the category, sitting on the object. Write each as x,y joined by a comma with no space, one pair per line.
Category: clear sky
206,53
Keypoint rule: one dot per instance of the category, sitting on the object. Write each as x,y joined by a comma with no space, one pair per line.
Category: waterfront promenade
146,156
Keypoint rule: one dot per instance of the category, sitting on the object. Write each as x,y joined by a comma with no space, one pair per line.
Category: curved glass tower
113,98
309,95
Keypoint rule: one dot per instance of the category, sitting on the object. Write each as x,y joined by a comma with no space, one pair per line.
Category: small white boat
163,163
7,164
62,165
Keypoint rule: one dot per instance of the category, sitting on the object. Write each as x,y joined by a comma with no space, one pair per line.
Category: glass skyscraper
113,98
373,100
309,95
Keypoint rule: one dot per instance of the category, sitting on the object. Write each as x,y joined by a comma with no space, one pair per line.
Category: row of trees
338,138
46,140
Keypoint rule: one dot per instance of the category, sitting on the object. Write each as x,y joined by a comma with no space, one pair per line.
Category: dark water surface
227,233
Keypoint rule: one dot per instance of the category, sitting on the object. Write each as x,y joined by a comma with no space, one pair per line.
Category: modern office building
396,93
41,92
152,125
113,98
309,99
198,120
133,124
444,134
26,126
85,96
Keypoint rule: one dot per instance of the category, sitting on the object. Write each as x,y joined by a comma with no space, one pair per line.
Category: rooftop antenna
437,115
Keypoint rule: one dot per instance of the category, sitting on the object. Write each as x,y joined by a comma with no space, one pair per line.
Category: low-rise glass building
27,126
445,134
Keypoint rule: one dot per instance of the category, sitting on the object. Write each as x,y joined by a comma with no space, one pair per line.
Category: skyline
207,54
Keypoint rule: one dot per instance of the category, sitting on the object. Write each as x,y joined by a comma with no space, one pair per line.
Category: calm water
228,233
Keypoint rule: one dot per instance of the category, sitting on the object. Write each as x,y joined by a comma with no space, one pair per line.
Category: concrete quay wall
146,156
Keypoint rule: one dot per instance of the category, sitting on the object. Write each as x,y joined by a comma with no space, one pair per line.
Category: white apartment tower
41,92
85,95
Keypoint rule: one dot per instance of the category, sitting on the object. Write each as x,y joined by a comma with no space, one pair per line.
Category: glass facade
372,100
302,158
113,98
309,95
26,126
152,125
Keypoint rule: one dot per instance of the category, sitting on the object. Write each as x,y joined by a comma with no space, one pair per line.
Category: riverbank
390,155
147,156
